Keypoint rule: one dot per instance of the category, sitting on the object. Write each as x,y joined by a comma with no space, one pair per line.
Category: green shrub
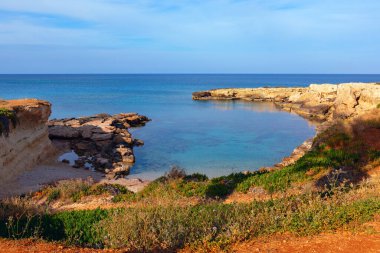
158,228
196,177
6,117
112,189
72,190
170,228
53,195
76,227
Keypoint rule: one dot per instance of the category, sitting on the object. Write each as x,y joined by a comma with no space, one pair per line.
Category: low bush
170,228
71,190
167,228
6,117
76,227
74,190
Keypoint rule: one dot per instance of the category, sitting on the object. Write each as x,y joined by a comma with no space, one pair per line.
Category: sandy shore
34,179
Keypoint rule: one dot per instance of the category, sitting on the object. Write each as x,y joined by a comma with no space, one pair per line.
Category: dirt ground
340,242
325,243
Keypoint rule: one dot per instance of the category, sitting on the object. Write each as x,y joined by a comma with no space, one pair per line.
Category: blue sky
198,36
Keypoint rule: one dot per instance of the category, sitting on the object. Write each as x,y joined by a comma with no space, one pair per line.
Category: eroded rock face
27,143
102,141
320,102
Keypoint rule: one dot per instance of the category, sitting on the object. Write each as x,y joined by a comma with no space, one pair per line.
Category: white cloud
255,29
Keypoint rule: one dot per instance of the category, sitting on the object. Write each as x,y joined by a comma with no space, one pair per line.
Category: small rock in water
138,142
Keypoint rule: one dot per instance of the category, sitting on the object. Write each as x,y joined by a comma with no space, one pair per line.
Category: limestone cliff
322,102
24,140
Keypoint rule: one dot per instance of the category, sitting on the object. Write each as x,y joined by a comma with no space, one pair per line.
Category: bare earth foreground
343,242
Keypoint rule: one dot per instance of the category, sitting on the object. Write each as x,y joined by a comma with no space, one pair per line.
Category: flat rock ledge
321,103
101,141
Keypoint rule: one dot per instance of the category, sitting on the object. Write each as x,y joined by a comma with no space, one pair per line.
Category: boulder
86,131
62,131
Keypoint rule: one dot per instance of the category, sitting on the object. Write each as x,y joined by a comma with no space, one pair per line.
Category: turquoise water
210,137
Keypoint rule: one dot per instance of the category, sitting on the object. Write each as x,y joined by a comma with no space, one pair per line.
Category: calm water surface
210,137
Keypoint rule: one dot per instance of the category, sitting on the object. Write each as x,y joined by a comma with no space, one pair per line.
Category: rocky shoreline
102,142
323,104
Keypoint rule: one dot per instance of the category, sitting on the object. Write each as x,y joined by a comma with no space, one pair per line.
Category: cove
209,137
218,138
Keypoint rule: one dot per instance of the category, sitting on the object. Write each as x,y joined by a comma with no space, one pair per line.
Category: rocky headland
321,102
102,142
324,104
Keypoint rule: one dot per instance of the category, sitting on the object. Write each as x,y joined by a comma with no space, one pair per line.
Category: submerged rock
103,141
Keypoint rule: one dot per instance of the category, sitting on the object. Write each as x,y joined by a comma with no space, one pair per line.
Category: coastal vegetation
212,224
327,189
6,118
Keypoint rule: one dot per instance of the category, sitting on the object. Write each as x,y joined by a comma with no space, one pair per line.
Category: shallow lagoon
210,137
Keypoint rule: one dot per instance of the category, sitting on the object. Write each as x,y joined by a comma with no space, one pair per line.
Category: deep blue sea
214,138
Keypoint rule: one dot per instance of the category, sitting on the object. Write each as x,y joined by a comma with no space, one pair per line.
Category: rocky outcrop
102,141
319,102
24,140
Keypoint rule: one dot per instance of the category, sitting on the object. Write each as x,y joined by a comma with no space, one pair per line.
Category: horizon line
189,73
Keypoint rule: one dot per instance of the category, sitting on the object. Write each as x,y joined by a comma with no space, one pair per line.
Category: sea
209,137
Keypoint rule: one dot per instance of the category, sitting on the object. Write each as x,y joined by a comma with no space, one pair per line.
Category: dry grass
169,228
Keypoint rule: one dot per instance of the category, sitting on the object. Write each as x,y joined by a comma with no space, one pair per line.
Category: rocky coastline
323,104
103,142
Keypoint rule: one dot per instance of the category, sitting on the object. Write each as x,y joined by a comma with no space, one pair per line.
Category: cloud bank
209,36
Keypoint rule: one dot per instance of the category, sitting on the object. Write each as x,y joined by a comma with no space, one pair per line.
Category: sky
190,36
